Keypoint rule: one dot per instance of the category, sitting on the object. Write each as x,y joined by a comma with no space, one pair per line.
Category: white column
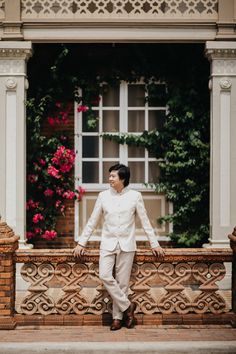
13,85
223,142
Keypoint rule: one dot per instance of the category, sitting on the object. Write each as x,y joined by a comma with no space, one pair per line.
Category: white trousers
114,271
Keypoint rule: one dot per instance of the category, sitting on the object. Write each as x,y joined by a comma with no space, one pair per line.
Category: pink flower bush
69,195
49,235
64,158
30,204
50,175
48,192
52,171
32,178
37,217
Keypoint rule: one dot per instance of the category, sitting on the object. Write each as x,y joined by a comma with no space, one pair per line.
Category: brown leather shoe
130,320
116,324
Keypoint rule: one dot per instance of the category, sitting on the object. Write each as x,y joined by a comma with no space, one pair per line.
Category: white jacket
118,211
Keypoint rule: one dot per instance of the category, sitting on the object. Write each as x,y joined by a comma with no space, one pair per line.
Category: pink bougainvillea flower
52,171
32,178
42,162
30,204
69,194
59,190
49,235
58,104
38,230
81,190
64,158
82,108
37,217
48,192
62,208
51,121
30,234
58,203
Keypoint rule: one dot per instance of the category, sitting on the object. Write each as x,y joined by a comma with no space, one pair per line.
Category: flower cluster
60,116
50,181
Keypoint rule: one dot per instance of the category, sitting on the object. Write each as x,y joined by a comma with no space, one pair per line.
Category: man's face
115,181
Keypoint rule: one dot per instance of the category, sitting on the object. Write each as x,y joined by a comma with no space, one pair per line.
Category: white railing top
92,10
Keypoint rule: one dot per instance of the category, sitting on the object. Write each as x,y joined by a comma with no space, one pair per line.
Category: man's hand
78,251
158,252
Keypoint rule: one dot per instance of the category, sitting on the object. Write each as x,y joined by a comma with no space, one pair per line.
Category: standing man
118,206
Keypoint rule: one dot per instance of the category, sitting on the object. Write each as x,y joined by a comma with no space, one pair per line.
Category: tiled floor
103,334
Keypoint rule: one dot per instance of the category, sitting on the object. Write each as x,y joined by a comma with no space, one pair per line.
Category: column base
223,243
24,245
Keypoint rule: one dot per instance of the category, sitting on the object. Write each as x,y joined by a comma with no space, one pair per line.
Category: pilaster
223,143
13,85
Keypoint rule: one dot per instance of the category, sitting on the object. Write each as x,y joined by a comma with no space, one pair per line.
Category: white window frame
123,109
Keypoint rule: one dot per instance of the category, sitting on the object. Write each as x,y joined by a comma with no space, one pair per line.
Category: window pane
156,119
110,121
110,148
90,172
136,95
137,172
135,151
85,127
90,146
153,172
157,95
106,166
136,122
111,96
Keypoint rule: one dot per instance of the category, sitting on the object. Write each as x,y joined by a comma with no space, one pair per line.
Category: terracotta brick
53,320
152,319
172,318
5,299
191,319
5,312
7,262
7,275
73,320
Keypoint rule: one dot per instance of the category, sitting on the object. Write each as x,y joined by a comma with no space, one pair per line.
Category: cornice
15,50
221,50
15,53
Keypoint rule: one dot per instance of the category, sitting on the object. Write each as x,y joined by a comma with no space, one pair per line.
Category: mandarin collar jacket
118,211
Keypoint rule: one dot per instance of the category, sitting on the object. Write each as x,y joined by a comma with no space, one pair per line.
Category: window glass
111,96
137,174
110,121
156,119
136,95
136,121
90,146
154,171
90,172
136,151
110,148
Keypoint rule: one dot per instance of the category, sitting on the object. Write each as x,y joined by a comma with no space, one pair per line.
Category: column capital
220,50
15,50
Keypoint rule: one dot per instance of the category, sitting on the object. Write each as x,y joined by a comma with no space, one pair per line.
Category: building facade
25,22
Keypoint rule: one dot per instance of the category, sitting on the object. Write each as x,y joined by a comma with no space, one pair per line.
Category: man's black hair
123,172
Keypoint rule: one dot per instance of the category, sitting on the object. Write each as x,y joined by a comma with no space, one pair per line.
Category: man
118,206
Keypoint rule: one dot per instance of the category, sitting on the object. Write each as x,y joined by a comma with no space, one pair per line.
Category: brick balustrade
183,289
8,245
